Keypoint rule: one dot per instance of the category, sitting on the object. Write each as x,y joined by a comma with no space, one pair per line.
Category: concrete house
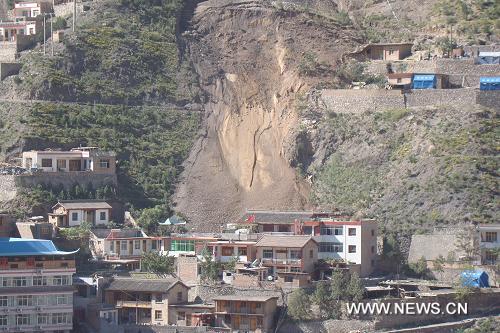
145,301
385,51
37,292
75,212
88,159
489,243
32,8
399,80
246,313
10,30
287,253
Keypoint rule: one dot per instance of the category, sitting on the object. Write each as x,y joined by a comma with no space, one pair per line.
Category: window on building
398,80
104,164
19,281
182,245
137,244
307,230
112,246
46,163
60,280
123,245
179,296
6,282
4,301
258,305
391,52
60,318
267,254
39,281
373,232
158,298
490,257
227,251
283,228
259,322
490,237
61,299
327,230
311,254
373,249
326,247
102,216
295,254
288,278
154,245
295,269
158,315
351,231
42,318
242,251
61,164
24,300
373,262
268,228
3,320
181,315
74,216
22,319
352,248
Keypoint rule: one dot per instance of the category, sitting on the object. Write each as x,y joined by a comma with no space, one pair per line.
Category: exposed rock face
247,55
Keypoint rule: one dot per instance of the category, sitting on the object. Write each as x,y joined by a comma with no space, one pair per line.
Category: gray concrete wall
8,188
8,69
67,179
489,99
8,51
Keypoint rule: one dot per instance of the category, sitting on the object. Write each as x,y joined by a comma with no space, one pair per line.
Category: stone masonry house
246,313
75,212
287,253
145,301
87,159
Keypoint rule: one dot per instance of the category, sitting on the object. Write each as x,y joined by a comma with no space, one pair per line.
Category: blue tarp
10,247
424,81
489,83
475,279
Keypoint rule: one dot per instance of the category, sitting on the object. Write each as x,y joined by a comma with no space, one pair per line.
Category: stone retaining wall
8,51
8,188
66,179
359,101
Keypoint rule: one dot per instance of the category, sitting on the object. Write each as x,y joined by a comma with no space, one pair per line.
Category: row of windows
182,245
61,164
39,319
35,300
28,281
337,231
136,245
337,247
75,217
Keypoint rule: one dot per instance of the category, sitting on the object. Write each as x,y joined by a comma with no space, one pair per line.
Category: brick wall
187,269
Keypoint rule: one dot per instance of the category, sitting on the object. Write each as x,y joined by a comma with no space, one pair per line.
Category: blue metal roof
490,79
424,77
10,247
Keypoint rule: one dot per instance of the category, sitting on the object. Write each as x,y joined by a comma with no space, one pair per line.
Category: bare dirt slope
248,55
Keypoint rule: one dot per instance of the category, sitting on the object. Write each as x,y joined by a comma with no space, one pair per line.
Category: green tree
150,217
420,268
467,242
438,265
355,288
299,305
209,267
337,292
156,263
322,298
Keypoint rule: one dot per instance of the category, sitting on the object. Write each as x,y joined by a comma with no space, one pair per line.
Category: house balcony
134,304
490,245
281,261
240,311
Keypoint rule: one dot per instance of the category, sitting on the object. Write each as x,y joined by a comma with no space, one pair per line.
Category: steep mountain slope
248,56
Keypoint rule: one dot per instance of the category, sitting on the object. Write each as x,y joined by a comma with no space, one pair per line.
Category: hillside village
82,251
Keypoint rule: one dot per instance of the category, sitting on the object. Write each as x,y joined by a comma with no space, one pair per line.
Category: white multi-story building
489,243
36,292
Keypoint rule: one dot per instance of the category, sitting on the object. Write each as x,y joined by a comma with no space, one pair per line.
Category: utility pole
52,32
44,35
74,15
